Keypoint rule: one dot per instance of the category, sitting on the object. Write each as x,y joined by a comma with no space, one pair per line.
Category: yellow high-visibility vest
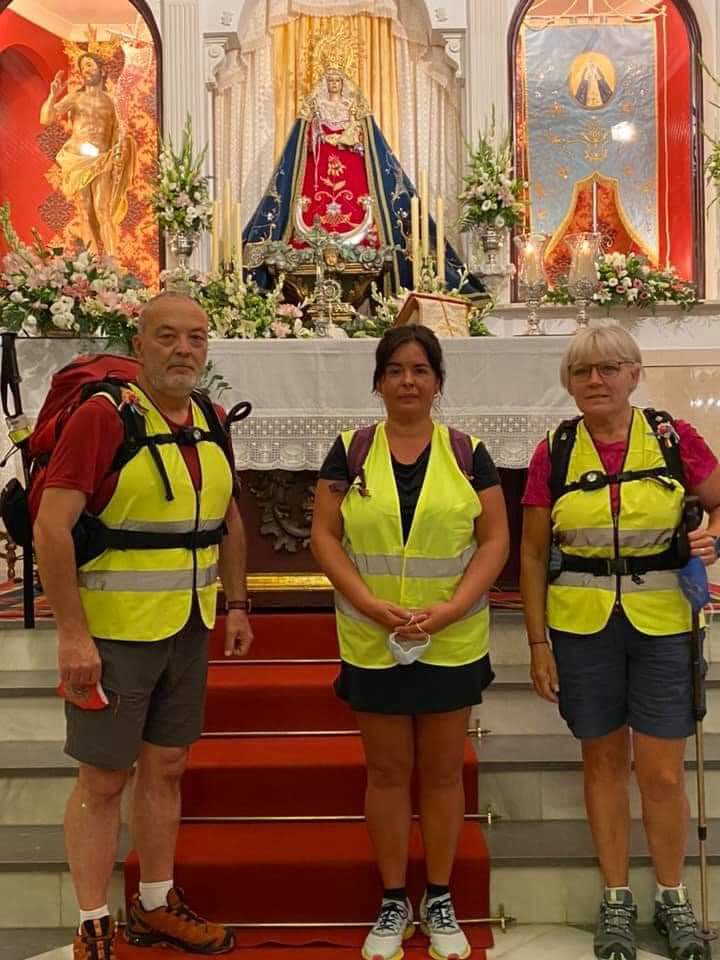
427,569
650,511
146,594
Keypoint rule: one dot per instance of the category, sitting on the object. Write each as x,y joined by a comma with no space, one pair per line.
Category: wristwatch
245,605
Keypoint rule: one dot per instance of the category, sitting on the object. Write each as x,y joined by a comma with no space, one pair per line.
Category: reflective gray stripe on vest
344,606
605,537
172,526
420,568
147,581
653,580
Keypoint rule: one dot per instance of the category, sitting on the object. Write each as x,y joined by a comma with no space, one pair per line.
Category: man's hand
58,85
238,633
78,659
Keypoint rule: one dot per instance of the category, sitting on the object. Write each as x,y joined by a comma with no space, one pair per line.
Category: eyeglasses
607,370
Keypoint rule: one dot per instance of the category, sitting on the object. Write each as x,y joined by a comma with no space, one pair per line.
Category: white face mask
406,651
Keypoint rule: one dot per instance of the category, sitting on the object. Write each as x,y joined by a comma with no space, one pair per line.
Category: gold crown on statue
333,48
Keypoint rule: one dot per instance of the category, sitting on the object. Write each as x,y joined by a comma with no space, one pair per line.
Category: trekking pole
693,513
19,430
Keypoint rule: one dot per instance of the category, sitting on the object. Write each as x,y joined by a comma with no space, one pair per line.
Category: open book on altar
446,316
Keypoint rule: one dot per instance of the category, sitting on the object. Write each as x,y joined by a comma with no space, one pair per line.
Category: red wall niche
29,59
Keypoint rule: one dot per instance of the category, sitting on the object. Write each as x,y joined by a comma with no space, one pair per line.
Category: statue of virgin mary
338,172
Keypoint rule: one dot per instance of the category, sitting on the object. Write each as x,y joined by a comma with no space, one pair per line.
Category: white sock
96,914
154,895
680,891
611,893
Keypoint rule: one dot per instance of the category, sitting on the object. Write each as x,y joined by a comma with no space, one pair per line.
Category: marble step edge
42,683
511,844
496,754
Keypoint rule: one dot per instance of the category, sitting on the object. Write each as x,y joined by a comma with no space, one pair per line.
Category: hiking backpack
112,376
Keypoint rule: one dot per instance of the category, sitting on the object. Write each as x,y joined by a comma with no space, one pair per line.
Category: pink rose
280,329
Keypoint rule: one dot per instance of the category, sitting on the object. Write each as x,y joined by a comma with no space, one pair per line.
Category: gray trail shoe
674,919
615,930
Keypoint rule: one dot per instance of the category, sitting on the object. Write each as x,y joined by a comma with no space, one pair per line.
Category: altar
504,389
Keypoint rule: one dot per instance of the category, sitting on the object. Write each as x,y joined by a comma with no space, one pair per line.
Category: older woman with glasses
603,540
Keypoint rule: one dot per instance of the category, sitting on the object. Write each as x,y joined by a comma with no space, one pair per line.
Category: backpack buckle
593,480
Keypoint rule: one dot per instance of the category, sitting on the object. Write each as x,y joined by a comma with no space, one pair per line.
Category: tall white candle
415,239
585,264
533,271
440,234
227,223
425,212
238,251
215,237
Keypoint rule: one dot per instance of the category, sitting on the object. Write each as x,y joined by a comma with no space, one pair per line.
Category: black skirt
415,688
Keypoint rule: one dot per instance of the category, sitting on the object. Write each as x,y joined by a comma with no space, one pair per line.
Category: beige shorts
157,695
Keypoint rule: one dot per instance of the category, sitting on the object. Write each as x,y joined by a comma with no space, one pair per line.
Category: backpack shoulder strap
663,426
216,429
358,450
462,447
560,445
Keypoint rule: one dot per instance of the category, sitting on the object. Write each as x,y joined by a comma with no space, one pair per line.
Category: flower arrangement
44,290
627,279
238,307
181,198
492,196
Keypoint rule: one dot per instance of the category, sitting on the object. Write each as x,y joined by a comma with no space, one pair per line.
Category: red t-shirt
87,447
697,458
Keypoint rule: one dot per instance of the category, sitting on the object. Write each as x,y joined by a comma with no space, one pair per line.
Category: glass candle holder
583,279
532,277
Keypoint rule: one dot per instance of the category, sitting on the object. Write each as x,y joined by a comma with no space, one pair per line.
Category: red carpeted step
278,636
279,698
414,950
285,776
317,873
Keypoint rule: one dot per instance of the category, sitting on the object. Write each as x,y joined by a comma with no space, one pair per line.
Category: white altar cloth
304,392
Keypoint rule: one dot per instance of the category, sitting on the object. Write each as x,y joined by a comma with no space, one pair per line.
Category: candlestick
415,239
215,237
425,212
440,235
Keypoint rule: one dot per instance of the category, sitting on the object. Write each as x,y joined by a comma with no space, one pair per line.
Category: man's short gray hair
167,296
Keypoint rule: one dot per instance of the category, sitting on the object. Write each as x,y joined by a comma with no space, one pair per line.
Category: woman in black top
417,710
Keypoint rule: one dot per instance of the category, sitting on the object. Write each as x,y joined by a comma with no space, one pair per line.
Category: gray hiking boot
615,930
674,919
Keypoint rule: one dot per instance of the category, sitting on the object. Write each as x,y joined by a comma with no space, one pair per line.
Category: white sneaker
393,925
437,921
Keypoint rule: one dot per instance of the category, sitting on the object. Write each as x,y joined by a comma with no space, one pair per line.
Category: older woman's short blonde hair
593,344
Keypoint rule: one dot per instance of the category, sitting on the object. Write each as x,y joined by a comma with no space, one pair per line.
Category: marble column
183,80
486,61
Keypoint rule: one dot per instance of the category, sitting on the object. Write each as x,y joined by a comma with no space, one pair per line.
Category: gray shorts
620,677
157,695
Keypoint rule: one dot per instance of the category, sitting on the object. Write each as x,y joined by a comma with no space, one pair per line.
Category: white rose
486,205
17,297
612,282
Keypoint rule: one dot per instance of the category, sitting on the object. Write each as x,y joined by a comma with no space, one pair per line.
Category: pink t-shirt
697,458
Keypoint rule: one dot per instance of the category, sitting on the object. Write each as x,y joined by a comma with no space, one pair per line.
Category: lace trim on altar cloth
302,443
